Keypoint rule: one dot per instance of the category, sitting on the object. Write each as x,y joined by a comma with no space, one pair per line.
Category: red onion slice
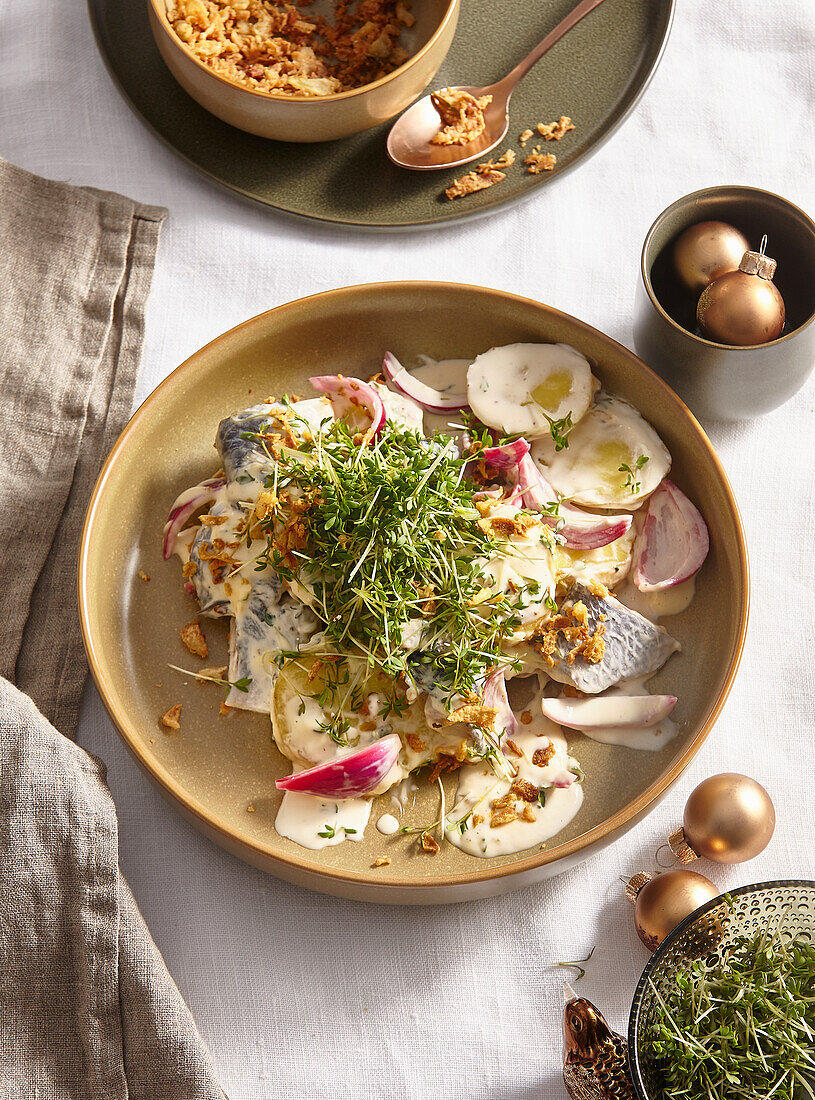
508,456
580,530
430,399
352,400
351,776
563,780
610,712
673,543
495,695
584,531
187,503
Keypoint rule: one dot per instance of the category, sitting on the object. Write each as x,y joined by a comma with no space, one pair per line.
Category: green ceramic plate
596,75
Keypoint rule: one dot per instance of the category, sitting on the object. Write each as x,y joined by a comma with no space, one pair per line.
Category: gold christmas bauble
729,818
662,901
705,251
743,307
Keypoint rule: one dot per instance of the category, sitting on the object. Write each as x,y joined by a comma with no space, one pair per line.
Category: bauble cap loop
754,263
680,847
635,884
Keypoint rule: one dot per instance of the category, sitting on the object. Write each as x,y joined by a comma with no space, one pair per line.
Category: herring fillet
634,646
269,622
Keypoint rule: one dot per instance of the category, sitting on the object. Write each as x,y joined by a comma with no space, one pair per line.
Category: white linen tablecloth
306,996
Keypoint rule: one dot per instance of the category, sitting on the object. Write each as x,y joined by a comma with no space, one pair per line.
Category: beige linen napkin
87,1008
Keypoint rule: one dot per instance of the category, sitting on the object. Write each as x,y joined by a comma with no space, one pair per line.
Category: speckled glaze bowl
310,118
708,933
718,381
213,769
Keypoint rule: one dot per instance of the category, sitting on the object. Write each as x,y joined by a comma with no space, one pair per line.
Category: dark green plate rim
617,115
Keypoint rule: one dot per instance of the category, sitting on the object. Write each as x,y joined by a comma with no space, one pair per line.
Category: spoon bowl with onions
410,142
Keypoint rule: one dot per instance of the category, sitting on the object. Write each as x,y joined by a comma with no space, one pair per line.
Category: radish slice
187,503
612,712
579,530
349,777
495,695
430,399
507,457
673,543
352,400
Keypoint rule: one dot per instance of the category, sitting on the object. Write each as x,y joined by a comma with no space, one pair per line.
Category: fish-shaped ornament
596,1063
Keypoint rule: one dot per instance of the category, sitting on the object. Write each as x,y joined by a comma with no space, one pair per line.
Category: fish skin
634,645
596,1062
270,621
206,590
238,453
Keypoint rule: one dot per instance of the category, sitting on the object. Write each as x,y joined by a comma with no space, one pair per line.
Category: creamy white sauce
445,375
387,824
303,817
608,565
649,738
523,560
479,786
404,793
657,605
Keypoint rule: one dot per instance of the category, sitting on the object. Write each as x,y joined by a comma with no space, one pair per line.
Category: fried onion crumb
537,162
461,114
272,48
193,638
171,719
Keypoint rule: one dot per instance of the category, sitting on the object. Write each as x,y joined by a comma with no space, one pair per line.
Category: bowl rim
686,200
159,7
627,816
667,943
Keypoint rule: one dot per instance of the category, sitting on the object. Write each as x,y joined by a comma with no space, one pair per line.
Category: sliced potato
300,720
521,388
608,565
614,459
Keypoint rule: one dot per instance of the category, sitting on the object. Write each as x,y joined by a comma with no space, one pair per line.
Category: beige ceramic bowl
307,118
213,769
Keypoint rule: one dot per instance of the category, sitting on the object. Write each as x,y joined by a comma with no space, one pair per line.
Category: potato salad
436,576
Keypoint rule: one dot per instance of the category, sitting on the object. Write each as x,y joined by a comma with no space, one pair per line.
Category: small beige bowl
310,118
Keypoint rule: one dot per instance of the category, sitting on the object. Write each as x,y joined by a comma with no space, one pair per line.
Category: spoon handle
564,26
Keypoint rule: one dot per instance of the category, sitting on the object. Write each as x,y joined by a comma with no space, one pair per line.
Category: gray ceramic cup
717,381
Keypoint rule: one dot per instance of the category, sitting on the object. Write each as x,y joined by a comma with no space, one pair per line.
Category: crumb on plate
554,131
383,861
485,175
170,719
144,576
193,638
537,162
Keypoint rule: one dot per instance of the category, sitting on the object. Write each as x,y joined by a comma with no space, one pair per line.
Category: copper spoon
409,143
